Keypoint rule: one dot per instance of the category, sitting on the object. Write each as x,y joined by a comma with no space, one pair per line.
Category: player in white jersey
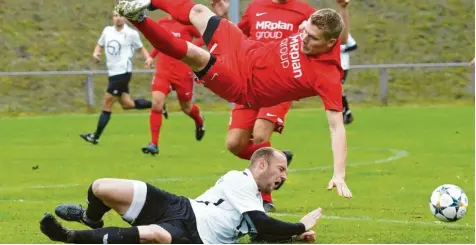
119,42
230,209
345,50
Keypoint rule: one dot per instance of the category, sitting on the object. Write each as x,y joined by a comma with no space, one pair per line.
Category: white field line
325,217
397,154
356,218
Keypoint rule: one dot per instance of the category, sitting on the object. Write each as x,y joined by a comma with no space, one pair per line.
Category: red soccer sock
248,151
178,9
195,115
266,197
162,39
155,122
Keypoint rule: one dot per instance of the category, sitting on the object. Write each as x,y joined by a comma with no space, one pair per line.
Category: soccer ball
448,203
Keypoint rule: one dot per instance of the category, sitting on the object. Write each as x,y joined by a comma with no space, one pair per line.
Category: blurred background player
345,50
263,20
172,74
119,41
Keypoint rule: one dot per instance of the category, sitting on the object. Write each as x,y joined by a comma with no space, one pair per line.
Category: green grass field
397,156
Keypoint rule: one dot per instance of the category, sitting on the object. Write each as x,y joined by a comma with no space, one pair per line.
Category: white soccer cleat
132,9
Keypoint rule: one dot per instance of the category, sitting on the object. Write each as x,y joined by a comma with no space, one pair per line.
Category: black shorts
345,76
119,84
171,212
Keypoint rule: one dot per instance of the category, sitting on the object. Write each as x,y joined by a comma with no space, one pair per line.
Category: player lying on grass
222,214
256,74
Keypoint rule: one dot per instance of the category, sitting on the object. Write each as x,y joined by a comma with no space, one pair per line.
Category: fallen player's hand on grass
341,186
308,236
310,219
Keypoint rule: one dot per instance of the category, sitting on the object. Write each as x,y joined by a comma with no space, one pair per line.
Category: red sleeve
329,89
244,23
153,53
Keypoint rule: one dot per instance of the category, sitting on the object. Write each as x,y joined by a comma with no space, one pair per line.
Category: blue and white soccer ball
448,203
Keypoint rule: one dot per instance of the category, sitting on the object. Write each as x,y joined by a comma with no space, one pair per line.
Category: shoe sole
200,137
147,151
86,139
66,217
130,9
46,225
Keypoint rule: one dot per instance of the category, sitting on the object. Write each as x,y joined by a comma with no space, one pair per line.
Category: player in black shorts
117,88
119,43
149,210
224,213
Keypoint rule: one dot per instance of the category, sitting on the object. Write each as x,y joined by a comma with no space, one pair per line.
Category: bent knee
186,107
104,188
157,104
261,137
154,234
234,145
99,187
263,130
199,9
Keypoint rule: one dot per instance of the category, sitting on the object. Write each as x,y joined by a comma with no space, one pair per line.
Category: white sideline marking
408,222
398,154
347,218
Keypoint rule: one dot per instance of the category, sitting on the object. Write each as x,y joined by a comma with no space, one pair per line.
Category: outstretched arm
339,149
344,12
265,228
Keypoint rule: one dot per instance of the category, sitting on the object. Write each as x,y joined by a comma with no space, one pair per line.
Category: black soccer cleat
289,156
348,118
150,149
71,212
54,230
268,207
90,137
164,112
200,130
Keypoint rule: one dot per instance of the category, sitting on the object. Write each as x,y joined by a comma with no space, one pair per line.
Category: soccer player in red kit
251,128
170,74
257,74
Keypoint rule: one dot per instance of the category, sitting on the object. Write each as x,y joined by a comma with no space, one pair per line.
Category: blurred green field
397,156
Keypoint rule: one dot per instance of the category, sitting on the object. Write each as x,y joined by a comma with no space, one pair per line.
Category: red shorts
183,85
244,117
227,78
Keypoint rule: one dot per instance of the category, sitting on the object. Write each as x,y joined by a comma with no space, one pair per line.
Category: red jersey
281,72
265,20
166,65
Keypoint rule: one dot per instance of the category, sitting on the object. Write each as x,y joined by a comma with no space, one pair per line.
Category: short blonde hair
329,21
